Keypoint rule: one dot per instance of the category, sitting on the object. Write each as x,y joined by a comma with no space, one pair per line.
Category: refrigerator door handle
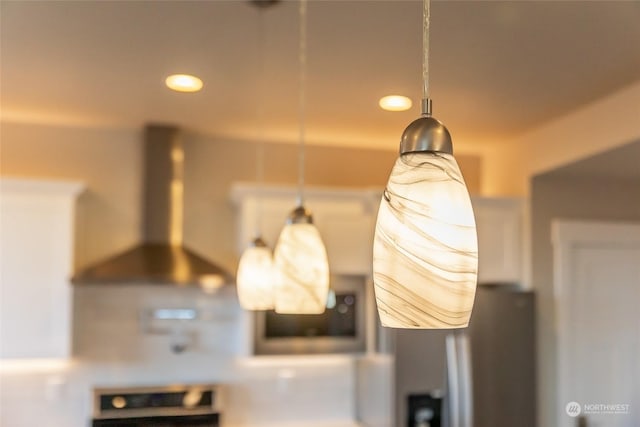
466,376
453,384
459,380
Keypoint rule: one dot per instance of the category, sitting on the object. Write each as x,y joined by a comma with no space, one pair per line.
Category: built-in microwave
340,329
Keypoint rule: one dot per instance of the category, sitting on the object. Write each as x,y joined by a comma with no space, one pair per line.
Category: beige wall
607,123
566,198
109,162
106,160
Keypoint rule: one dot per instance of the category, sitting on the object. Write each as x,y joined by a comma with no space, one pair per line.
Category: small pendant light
256,273
256,277
425,254
300,256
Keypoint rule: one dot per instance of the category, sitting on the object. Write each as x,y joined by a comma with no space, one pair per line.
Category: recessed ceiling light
395,103
183,83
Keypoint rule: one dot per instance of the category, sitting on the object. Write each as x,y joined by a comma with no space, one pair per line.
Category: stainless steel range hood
162,257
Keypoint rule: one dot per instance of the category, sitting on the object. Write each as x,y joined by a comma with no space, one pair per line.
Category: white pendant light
425,254
300,256
256,277
303,270
256,271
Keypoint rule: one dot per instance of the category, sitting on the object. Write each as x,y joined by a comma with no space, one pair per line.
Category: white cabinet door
36,246
499,226
349,242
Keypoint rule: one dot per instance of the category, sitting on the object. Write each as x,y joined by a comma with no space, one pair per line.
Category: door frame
566,237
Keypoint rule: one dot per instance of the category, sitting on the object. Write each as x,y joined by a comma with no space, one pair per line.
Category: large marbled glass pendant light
256,271
425,253
300,256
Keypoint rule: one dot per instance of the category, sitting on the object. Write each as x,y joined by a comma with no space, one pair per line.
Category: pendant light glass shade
302,283
425,250
425,255
256,277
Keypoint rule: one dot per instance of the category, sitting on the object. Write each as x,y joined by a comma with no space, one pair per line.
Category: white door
597,290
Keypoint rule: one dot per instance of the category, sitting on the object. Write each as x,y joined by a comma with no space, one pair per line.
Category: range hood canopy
161,258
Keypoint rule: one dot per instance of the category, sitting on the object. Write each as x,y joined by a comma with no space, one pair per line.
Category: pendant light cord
426,16
302,59
260,127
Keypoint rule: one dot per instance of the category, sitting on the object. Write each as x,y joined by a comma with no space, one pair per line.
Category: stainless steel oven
340,329
167,406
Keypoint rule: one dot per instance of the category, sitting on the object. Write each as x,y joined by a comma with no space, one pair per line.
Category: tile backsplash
111,323
117,343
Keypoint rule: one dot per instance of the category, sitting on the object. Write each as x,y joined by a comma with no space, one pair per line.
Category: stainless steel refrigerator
482,376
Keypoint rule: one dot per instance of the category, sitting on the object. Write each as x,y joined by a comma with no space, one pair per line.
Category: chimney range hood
161,258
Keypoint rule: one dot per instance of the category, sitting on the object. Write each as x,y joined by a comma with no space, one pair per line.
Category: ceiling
498,68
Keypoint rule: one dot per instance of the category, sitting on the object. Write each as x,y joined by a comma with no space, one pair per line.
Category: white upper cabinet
36,259
499,223
344,218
